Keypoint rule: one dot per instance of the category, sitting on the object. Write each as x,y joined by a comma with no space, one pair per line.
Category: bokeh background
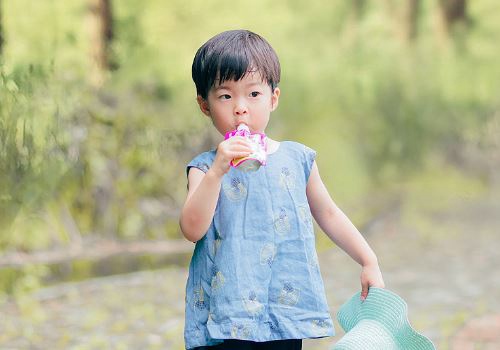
400,98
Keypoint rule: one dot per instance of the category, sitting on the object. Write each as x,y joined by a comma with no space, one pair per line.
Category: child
254,280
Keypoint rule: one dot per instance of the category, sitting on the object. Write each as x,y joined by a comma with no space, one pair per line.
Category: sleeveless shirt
255,274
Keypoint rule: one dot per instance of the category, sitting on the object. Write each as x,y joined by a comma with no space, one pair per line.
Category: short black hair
230,55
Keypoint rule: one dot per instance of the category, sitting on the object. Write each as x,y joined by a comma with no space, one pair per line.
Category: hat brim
378,322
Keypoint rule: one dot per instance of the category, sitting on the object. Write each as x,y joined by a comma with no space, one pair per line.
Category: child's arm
204,188
341,230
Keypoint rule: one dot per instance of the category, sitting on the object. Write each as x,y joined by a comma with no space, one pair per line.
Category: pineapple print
218,279
235,190
240,331
217,242
287,179
282,222
320,327
252,305
199,299
274,327
267,254
289,295
305,215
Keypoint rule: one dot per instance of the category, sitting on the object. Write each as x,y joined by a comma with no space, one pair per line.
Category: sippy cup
258,142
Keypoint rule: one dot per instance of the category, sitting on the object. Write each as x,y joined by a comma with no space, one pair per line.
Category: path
448,277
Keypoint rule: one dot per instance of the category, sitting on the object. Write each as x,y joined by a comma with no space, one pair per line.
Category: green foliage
31,159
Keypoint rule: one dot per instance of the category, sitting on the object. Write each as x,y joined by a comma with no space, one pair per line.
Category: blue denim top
255,274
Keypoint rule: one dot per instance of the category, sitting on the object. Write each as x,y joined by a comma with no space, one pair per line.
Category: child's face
248,100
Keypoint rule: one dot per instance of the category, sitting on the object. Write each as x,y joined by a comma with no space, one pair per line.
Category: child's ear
275,98
204,107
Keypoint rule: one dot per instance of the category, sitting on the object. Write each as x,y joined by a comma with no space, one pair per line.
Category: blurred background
401,100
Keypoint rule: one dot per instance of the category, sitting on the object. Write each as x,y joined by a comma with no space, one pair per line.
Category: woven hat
378,322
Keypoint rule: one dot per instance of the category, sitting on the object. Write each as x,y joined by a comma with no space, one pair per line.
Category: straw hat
379,322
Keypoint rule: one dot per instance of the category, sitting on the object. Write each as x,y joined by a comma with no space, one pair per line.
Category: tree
358,8
356,11
451,13
411,13
1,30
101,35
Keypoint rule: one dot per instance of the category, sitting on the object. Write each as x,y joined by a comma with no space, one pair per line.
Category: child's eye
225,97
255,93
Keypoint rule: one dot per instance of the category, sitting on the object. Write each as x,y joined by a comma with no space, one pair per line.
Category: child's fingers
240,154
244,143
364,291
241,149
238,138
234,149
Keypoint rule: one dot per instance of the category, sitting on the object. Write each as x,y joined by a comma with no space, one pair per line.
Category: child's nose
240,108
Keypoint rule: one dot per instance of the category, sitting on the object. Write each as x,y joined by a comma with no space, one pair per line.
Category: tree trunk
358,8
2,40
355,15
101,34
411,13
451,12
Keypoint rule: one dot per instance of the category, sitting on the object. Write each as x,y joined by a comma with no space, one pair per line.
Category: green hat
378,322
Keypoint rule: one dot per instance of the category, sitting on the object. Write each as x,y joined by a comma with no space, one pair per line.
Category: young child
254,280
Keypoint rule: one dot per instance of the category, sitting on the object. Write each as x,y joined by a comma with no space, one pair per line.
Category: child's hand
370,276
227,150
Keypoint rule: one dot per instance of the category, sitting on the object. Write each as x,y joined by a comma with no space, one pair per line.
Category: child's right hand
227,150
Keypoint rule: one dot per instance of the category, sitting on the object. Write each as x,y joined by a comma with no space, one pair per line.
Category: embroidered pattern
199,299
235,190
281,222
305,214
320,327
287,179
274,327
218,279
288,295
239,330
217,242
252,305
267,254
305,217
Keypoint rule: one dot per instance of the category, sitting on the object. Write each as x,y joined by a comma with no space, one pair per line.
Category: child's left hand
370,276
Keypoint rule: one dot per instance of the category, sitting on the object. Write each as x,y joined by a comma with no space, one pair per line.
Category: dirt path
449,278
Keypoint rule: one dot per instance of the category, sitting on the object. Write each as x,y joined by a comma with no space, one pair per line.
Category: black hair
231,55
